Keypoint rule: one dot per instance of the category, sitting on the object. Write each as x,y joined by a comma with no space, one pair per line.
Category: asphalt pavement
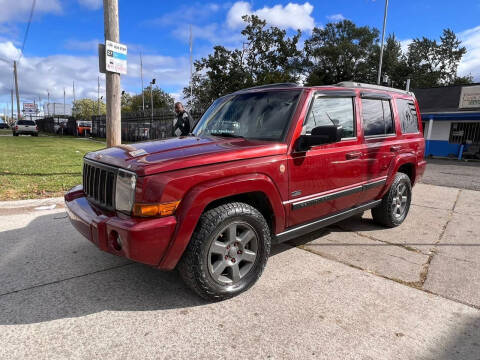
350,291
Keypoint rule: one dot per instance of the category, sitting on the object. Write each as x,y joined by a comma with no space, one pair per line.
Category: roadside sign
30,108
470,97
116,57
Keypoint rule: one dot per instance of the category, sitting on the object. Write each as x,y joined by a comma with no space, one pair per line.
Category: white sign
116,57
470,97
30,108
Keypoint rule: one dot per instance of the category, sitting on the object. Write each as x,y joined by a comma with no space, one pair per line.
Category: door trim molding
337,194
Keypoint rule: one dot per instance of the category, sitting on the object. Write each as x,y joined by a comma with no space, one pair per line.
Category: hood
152,157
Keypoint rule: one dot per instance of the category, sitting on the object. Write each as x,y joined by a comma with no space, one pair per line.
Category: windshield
257,116
25,122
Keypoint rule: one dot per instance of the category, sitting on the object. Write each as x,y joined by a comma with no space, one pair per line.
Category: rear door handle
395,148
353,155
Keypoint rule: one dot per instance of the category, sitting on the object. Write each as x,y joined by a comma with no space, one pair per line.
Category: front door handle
353,155
395,148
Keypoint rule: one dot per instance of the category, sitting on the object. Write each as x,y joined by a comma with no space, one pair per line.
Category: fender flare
407,158
198,197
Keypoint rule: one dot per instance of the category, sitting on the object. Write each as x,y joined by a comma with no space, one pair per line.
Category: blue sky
61,46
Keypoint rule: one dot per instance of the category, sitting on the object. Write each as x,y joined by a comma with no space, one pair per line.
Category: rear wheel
15,134
395,204
227,253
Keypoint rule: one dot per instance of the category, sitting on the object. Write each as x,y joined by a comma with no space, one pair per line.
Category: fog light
115,240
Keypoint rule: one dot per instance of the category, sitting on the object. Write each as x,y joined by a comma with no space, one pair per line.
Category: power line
27,29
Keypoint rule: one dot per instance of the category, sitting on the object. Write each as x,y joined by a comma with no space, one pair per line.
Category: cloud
91,4
404,45
19,10
335,17
290,16
37,75
470,64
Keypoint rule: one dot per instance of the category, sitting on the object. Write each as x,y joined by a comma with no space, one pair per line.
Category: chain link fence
136,126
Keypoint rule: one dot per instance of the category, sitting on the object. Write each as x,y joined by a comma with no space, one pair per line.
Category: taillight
16,127
36,128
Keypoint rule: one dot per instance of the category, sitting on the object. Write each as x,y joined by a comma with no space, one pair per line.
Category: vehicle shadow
462,344
69,277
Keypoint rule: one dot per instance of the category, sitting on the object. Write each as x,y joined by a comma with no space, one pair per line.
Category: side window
377,117
328,111
408,116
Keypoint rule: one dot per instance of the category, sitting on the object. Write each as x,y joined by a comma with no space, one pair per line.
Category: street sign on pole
116,57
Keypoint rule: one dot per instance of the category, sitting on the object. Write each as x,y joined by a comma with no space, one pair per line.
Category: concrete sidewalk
404,293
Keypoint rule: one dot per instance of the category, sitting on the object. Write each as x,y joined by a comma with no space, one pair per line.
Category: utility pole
98,95
381,47
141,76
151,94
12,103
16,88
48,103
64,113
74,91
114,114
191,64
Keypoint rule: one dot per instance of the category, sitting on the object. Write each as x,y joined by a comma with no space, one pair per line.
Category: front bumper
142,240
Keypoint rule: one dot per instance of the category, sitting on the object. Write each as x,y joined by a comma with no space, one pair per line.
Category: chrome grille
99,183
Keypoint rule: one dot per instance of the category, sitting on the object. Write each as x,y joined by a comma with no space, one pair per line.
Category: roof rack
355,84
275,85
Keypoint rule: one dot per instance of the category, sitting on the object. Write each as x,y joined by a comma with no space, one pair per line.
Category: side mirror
325,134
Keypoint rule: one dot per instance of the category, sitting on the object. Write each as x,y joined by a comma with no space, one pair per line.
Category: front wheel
227,253
395,204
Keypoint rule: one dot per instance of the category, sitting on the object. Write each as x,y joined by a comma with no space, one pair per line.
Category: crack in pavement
66,279
426,266
415,284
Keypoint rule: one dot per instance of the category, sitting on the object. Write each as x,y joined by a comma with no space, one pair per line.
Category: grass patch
39,167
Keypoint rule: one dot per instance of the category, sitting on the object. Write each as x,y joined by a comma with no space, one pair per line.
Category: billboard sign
116,57
470,97
30,108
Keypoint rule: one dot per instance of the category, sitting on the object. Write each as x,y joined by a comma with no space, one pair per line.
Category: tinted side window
408,116
328,111
377,117
387,115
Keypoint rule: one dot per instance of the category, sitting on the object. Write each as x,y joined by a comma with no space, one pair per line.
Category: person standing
184,120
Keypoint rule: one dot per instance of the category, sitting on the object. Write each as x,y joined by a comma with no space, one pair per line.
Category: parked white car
26,127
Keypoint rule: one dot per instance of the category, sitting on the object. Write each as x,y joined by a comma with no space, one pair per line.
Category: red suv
262,166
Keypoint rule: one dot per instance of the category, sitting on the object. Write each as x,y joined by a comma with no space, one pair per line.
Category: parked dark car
263,165
4,125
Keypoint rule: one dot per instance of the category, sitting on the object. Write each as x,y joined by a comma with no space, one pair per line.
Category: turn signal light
149,210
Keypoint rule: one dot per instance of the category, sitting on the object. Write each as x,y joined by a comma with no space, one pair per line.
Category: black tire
196,267
389,213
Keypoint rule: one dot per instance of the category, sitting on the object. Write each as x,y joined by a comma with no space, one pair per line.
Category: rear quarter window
377,117
408,116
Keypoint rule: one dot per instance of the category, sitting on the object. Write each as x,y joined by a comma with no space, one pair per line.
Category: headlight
125,190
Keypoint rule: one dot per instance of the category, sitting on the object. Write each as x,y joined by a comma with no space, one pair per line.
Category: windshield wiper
226,134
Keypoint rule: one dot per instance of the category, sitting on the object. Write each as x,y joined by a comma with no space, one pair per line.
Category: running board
318,224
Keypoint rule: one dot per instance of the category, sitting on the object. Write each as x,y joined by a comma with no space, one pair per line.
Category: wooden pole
12,105
16,88
112,33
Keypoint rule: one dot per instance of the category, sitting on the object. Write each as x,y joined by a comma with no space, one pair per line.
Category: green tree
161,100
85,108
268,55
432,63
338,52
